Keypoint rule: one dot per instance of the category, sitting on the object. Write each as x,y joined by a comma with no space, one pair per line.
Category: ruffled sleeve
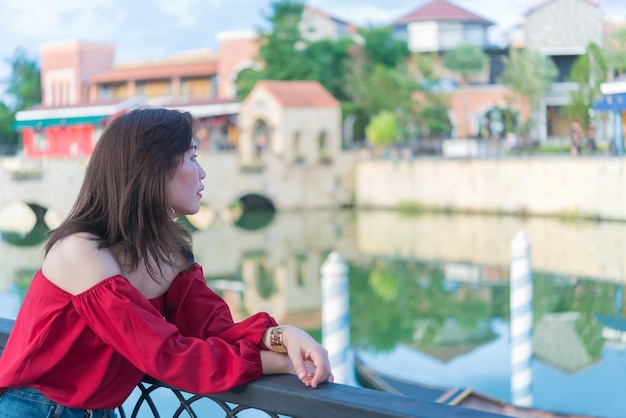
127,322
198,311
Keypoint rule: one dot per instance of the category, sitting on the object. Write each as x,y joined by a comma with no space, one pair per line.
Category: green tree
24,86
23,90
7,116
282,47
530,74
366,78
466,60
432,105
380,88
286,55
385,89
381,48
328,63
245,81
433,116
382,129
616,51
589,71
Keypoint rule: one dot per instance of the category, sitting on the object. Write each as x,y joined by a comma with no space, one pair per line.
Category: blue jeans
29,402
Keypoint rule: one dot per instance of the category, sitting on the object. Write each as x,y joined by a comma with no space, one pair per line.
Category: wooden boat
465,397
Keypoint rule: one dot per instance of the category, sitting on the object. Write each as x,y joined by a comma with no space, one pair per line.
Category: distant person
510,141
591,138
120,295
576,137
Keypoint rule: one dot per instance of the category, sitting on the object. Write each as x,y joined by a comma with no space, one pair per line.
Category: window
214,83
324,152
298,155
40,140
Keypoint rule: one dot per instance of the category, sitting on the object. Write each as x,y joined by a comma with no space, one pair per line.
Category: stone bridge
50,186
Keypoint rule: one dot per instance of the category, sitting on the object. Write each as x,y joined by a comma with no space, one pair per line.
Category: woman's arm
199,312
276,363
306,357
125,321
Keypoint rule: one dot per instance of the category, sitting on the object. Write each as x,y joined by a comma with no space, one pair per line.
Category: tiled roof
299,93
441,10
160,71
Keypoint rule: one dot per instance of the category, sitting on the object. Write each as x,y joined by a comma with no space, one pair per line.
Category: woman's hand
310,360
305,358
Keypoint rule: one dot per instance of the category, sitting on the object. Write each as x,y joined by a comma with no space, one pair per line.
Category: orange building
82,89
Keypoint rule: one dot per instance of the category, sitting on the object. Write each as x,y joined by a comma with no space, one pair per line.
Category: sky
155,29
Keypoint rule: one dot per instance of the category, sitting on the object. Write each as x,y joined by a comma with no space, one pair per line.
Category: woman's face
183,189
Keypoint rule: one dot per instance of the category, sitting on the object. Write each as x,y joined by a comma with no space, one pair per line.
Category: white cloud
182,10
42,19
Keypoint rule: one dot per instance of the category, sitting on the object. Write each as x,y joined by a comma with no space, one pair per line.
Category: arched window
496,122
298,153
261,137
324,150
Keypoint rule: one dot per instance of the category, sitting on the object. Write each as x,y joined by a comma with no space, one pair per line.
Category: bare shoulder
76,264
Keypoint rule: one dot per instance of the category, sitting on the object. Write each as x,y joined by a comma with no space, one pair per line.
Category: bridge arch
256,202
253,211
25,224
201,220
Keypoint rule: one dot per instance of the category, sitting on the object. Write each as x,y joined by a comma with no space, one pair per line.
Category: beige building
297,121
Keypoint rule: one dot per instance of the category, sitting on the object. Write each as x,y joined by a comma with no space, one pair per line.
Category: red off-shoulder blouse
90,350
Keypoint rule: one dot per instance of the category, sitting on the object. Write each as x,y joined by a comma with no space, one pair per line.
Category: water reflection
429,296
26,238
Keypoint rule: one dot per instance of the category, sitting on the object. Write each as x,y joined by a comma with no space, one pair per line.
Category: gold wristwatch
276,339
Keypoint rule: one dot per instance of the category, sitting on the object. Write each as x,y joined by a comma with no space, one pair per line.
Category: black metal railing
277,396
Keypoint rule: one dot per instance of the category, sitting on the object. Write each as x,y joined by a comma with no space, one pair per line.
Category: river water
428,296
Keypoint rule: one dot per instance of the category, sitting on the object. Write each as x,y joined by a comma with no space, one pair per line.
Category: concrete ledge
460,148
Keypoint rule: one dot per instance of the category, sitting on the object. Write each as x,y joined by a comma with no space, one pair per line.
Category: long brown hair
122,200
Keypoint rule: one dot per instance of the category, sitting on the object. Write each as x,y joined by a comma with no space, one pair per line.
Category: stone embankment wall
561,186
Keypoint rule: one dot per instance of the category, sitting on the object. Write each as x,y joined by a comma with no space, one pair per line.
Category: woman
119,294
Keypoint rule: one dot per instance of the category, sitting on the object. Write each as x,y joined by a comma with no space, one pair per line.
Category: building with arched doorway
296,121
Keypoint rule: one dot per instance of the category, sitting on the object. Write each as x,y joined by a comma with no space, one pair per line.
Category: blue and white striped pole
521,322
336,315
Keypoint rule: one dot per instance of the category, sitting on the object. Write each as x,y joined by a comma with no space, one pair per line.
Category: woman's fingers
309,359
